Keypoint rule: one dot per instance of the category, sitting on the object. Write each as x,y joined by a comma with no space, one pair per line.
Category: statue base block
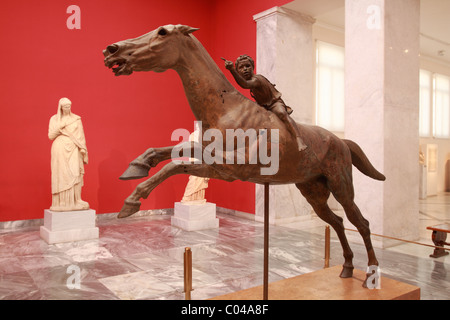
69,226
326,284
193,217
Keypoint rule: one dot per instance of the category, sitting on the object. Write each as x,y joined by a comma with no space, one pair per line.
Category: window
441,106
434,120
330,108
425,103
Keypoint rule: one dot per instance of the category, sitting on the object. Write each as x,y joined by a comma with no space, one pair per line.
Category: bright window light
441,106
330,108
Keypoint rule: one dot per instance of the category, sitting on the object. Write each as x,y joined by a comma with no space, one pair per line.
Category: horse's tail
361,162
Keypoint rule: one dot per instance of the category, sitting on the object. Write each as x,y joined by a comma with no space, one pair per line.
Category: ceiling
434,22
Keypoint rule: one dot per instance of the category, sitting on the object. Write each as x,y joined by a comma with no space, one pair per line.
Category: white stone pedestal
68,226
193,217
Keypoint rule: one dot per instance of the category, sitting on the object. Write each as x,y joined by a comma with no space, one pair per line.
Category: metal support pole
187,273
327,246
266,242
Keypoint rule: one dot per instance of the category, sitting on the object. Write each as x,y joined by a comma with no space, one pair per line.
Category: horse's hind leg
356,218
317,194
342,188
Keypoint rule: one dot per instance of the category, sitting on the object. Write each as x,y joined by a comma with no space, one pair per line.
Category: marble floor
142,258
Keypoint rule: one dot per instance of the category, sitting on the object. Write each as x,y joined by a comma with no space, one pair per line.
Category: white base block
69,226
193,217
52,237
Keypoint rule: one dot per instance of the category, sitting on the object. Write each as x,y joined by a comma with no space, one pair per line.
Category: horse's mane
211,64
255,114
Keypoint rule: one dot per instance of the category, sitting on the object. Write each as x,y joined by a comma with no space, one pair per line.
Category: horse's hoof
364,285
135,170
129,208
347,272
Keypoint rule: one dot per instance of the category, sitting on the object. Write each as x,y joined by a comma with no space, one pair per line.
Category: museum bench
438,236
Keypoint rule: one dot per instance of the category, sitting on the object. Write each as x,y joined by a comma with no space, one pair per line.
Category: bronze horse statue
324,167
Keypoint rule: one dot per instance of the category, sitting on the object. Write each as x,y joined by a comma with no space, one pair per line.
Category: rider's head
242,58
245,66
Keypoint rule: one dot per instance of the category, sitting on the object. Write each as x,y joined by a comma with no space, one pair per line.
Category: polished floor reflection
142,258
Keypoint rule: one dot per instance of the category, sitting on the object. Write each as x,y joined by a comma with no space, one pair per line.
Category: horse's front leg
139,167
133,203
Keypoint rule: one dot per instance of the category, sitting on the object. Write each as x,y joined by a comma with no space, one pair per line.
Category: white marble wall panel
286,204
382,105
285,57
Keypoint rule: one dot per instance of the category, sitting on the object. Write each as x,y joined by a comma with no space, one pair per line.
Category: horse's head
157,51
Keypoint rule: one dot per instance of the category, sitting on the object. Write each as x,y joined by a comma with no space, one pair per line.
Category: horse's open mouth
117,66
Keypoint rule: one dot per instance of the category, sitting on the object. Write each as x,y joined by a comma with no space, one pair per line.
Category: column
285,56
382,110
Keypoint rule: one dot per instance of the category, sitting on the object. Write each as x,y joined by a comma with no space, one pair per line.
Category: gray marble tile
18,286
10,265
136,285
142,258
104,268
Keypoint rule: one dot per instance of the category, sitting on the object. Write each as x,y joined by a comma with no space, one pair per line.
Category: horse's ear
186,29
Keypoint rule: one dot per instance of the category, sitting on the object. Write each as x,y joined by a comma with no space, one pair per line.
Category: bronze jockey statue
264,93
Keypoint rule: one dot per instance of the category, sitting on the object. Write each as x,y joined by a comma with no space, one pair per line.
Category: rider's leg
280,110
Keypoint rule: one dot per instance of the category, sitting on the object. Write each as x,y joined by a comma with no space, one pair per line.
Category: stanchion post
266,242
187,273
327,247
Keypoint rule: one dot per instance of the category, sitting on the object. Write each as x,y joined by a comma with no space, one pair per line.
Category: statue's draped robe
66,159
195,189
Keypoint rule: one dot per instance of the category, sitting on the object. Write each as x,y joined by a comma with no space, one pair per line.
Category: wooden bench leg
438,238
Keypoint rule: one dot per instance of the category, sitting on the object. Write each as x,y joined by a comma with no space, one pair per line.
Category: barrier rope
398,239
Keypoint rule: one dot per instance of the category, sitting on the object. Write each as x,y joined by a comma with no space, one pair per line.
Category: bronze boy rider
264,93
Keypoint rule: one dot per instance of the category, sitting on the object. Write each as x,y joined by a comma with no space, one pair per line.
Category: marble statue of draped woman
194,192
68,156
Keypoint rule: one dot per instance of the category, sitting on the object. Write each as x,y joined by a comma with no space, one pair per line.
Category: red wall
42,61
